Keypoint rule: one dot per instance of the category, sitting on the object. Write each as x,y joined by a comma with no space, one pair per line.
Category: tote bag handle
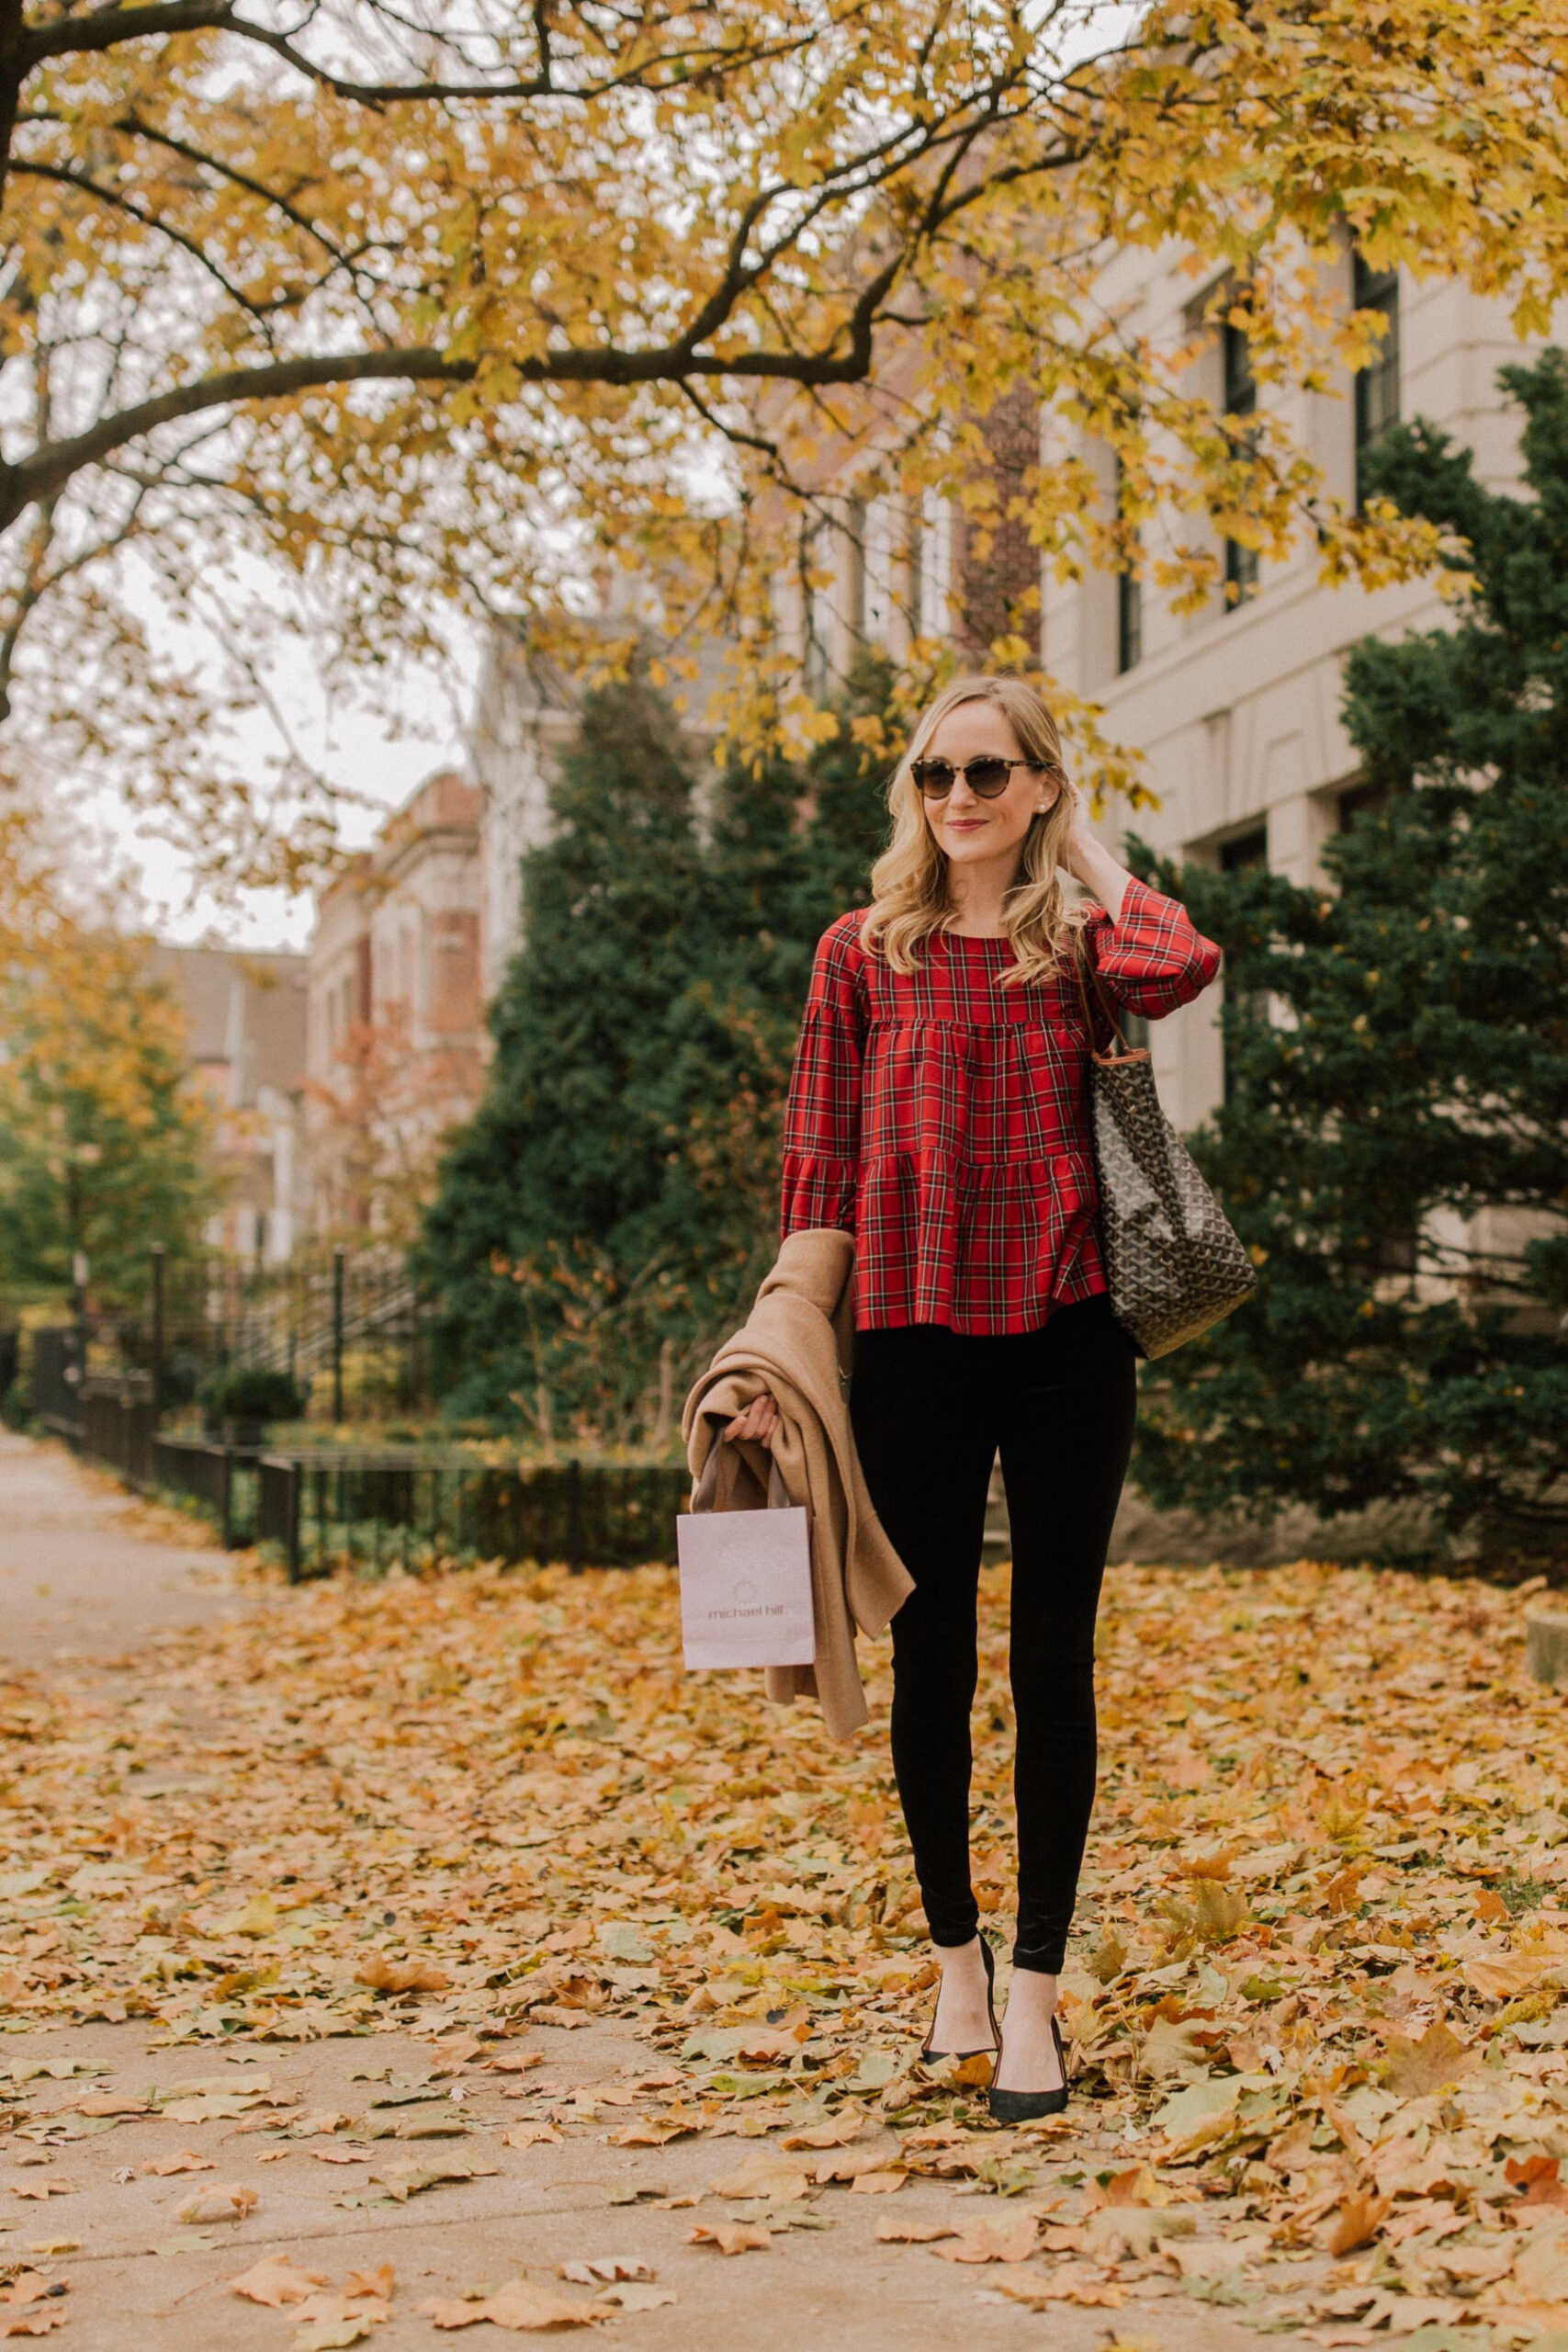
1084,972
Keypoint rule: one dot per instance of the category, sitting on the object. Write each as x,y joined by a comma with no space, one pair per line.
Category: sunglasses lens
934,778
988,777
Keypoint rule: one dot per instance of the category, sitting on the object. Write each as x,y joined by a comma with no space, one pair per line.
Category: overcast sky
373,756
378,756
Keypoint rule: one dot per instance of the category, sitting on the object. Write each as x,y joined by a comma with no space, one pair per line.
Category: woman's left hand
1087,859
1080,832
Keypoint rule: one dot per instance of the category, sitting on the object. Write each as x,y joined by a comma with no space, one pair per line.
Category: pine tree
613,1203
1393,1145
546,1201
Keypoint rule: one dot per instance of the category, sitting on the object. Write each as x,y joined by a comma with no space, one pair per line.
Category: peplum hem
937,1232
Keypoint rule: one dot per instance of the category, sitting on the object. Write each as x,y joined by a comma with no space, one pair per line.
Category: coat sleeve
1150,958
822,1141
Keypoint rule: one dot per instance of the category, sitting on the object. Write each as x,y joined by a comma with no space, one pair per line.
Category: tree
429,308
614,1200
790,847
549,1203
382,1122
104,1143
1393,1145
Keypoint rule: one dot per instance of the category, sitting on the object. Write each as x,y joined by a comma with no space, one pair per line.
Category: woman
939,1113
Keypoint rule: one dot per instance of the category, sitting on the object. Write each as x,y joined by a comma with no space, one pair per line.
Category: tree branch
112,200
53,465
43,474
108,27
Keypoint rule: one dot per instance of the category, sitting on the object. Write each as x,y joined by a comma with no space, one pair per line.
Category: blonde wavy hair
910,900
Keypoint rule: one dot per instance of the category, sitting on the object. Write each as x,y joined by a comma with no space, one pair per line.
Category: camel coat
796,1345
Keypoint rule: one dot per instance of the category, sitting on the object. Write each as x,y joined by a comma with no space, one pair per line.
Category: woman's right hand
759,1421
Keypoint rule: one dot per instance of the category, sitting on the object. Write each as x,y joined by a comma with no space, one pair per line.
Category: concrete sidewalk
139,2280
331,2136
78,1578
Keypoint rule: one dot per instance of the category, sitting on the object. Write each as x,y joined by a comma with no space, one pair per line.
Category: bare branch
109,28
42,474
112,200
106,27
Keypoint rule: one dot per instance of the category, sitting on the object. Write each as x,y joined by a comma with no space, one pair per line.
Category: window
1361,800
915,567
1129,606
1244,852
857,529
1240,403
1377,387
1129,621
818,618
1246,848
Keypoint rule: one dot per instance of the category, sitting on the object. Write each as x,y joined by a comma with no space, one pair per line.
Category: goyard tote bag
1174,1261
745,1579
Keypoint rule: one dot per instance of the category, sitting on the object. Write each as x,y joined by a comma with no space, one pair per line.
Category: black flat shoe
994,2047
1027,2106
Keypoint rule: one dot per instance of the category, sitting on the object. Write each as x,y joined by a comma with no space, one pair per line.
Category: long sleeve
821,1140
1151,959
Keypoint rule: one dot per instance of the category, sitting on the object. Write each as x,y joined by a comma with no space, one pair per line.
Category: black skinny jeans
931,1407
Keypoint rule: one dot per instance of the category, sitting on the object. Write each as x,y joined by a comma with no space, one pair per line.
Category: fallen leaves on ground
30,2303
1070,2283
223,2200
986,2240
520,2305
731,2237
1317,1993
324,2318
635,2296
381,1975
277,2281
765,2175
327,2321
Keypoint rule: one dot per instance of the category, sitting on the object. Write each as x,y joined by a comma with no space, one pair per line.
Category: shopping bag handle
706,1487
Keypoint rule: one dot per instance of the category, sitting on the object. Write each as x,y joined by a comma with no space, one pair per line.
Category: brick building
396,1036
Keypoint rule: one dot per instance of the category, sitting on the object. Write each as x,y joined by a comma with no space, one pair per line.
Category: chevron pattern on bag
1174,1262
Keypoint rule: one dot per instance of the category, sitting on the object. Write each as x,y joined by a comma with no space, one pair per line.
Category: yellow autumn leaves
1316,1999
428,321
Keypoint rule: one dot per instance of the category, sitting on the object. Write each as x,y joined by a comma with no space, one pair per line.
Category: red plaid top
943,1120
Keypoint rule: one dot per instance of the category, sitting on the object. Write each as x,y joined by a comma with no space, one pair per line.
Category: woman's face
969,830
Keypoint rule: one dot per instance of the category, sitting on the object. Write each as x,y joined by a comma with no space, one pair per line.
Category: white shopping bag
745,1581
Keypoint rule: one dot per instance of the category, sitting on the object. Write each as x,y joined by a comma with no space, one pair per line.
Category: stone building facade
396,1036
246,1022
1234,709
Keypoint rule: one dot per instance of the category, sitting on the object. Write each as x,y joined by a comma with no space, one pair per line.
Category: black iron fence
118,1422
108,1388
327,1507
382,1510
57,1357
348,1325
221,1478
